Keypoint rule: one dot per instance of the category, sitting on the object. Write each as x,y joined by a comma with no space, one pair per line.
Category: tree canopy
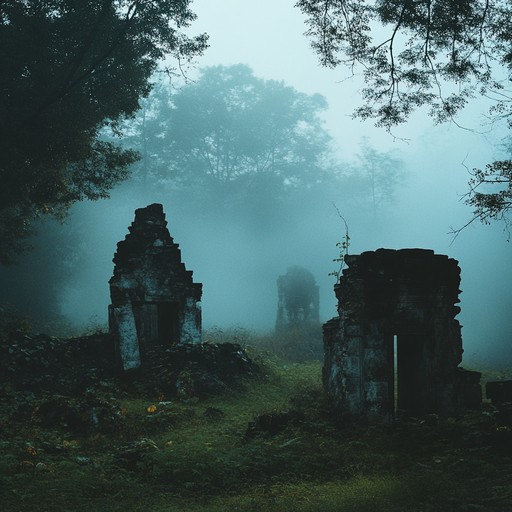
382,171
255,147
229,128
70,68
415,53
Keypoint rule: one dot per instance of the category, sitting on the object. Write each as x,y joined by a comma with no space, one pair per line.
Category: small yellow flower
151,409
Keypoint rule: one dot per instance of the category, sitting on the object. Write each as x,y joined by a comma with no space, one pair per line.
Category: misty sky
239,268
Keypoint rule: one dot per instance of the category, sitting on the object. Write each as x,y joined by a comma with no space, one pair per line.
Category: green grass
208,464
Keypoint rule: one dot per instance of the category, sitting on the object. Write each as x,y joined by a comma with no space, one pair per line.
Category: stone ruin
154,299
298,300
396,345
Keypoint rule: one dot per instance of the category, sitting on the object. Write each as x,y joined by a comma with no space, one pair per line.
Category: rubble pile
193,370
44,365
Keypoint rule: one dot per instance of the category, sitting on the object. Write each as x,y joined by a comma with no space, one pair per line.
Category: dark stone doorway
168,323
409,378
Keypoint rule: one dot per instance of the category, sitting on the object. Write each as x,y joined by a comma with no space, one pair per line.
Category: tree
416,53
497,203
231,132
382,172
33,284
71,68
232,145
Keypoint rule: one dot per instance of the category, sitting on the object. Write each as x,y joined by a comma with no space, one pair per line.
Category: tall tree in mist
381,173
71,68
434,53
230,130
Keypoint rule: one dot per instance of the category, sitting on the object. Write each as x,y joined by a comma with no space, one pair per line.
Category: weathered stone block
376,392
353,330
353,345
376,364
352,367
374,341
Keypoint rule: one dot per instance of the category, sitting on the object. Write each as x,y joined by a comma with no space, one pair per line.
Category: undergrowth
216,454
293,346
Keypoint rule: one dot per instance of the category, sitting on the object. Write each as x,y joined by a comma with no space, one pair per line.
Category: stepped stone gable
298,299
403,300
154,299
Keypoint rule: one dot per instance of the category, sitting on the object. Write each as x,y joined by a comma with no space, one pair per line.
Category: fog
238,264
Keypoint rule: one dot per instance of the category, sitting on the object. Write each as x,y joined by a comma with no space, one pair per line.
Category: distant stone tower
154,300
298,300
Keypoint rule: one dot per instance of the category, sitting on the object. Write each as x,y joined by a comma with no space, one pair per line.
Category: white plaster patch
190,330
128,341
334,373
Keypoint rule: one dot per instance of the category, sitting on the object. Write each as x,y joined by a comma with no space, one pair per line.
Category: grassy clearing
198,456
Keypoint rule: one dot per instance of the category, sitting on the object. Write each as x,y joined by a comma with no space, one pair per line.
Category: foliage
423,53
195,460
295,345
230,131
34,282
343,247
496,204
236,148
426,43
383,172
69,69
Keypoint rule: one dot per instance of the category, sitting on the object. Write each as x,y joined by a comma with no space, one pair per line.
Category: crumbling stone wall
154,299
298,300
405,298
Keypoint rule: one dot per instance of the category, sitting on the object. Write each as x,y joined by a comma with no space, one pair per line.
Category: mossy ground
200,458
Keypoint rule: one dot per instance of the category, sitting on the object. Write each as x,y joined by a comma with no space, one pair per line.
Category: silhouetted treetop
410,50
69,69
434,53
230,126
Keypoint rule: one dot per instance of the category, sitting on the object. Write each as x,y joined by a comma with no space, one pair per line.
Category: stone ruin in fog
401,301
154,299
394,348
297,300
